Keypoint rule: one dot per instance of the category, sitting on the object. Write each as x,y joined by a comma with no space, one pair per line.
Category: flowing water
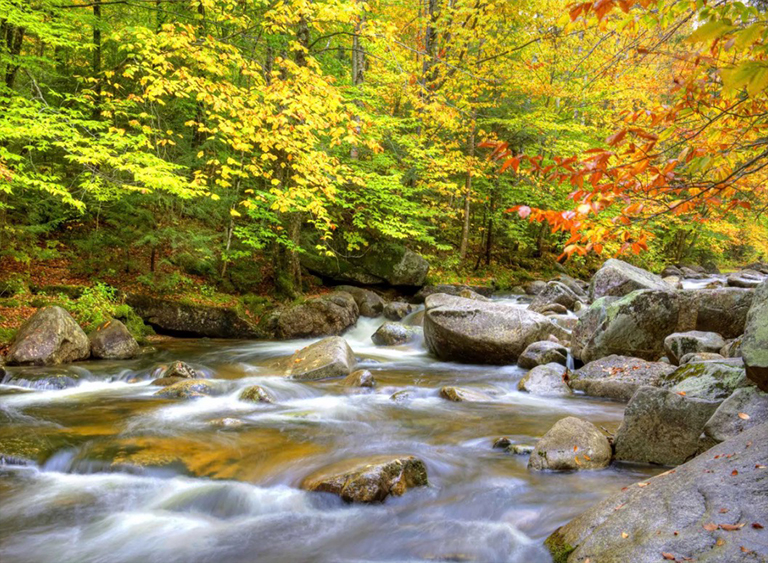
120,475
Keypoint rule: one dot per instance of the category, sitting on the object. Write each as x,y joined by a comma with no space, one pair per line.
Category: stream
125,476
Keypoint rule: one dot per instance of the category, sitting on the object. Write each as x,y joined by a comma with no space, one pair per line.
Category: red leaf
668,556
757,525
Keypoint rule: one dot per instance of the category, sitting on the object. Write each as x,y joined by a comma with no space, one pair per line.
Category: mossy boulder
394,334
712,381
754,345
368,302
187,389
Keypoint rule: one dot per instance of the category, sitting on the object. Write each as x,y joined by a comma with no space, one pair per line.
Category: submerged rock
544,352
471,331
113,341
460,395
618,377
393,334
187,389
330,357
617,279
360,378
679,344
256,394
571,444
321,316
49,337
369,480
548,379
754,345
369,303
705,510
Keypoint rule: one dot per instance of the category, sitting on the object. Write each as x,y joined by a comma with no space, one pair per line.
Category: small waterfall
569,361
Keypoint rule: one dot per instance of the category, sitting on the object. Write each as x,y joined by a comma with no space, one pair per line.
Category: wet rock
360,378
331,357
635,325
49,337
713,381
393,334
40,381
191,319
113,341
567,322
166,381
695,357
662,427
460,395
397,310
502,443
369,303
678,344
402,396
754,345
256,394
369,480
187,389
178,369
680,513
544,352
472,331
579,287
555,293
520,449
320,316
548,379
571,444
746,278
722,310
745,408
416,320
617,279
618,377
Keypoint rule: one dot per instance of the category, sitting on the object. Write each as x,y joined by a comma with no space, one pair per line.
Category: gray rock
370,304
394,334
330,357
369,480
713,381
745,408
176,369
40,381
678,344
680,513
746,278
321,316
113,341
534,287
732,349
544,352
618,377
471,331
360,378
187,389
671,271
579,287
662,427
555,293
397,310
617,278
548,379
571,444
721,310
459,395
256,394
754,345
635,325
49,337
450,289
695,357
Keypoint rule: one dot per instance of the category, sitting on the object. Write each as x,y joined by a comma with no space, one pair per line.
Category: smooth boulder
49,337
330,357
544,352
754,344
617,278
113,341
546,380
393,334
678,344
571,444
746,278
470,331
320,316
618,377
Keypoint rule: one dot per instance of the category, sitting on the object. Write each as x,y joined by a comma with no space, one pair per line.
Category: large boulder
381,263
331,357
617,278
548,379
634,325
320,316
113,341
369,303
745,408
618,377
662,427
369,480
712,509
544,352
712,381
393,334
678,344
191,319
571,444
49,337
555,293
721,310
754,345
471,331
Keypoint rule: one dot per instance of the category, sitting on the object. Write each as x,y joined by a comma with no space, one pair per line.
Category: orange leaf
743,416
668,556
731,527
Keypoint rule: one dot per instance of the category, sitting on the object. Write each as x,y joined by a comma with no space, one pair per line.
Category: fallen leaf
575,448
745,550
743,416
668,556
720,541
623,504
587,457
759,466
723,511
642,484
757,526
731,527
734,472
711,527
681,393
576,459
624,535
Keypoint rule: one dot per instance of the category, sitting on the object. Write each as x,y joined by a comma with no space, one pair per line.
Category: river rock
745,408
555,293
617,278
113,341
695,357
534,287
320,316
49,337
721,310
713,381
618,377
460,395
397,310
168,316
671,271
548,379
746,278
472,331
680,515
256,394
678,344
634,325
662,427
450,289
544,352
370,304
553,309
360,378
520,449
331,357
571,444
393,334
187,389
39,381
754,345
369,480
579,287
177,369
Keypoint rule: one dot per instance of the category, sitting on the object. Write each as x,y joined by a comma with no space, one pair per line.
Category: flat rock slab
713,509
618,377
330,357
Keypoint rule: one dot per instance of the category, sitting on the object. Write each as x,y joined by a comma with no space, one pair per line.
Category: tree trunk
97,56
489,229
358,70
14,39
467,194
